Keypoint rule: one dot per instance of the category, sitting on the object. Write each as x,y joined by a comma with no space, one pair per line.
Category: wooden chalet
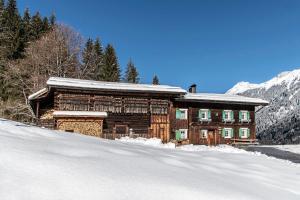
113,110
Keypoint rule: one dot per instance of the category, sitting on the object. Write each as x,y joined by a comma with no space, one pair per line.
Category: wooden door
160,127
211,138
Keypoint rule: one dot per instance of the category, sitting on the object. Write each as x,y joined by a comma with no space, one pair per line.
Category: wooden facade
140,114
216,124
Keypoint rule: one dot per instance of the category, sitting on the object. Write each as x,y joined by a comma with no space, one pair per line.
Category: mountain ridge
279,122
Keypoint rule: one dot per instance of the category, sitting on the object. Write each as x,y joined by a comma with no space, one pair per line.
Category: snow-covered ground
294,148
40,164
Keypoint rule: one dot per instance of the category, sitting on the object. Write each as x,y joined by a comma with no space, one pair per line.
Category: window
244,132
204,115
244,116
203,134
181,134
181,113
227,132
228,115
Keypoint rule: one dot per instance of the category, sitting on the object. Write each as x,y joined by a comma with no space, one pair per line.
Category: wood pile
47,115
87,127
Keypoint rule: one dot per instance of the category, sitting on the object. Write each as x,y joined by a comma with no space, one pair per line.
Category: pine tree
131,74
155,80
111,70
87,51
26,21
37,25
13,26
98,59
52,20
46,25
1,6
88,63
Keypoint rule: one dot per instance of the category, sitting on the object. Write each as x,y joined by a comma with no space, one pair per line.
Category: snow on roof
89,84
38,93
222,98
79,114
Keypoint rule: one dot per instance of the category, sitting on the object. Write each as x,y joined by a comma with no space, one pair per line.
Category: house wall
144,115
140,120
216,124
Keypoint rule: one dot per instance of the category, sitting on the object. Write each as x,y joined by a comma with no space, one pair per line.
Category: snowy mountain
278,123
38,163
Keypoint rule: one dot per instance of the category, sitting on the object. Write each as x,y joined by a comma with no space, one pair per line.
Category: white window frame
245,134
206,114
204,133
185,110
229,135
184,132
245,112
229,115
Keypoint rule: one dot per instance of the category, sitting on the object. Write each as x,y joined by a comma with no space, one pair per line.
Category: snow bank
40,164
156,142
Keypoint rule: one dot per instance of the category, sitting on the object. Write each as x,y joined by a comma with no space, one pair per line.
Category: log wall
216,124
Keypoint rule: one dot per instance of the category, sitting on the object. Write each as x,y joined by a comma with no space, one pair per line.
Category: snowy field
294,148
42,164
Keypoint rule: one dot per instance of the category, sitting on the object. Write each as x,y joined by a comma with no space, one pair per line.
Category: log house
113,110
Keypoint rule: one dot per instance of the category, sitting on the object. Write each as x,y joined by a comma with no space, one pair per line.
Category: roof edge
37,94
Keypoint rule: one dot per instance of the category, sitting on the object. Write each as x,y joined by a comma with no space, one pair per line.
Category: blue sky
213,43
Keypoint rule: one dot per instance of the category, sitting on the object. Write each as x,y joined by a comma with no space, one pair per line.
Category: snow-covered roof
38,93
79,114
89,84
211,97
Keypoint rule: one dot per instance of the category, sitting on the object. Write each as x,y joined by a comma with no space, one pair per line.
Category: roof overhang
222,99
79,84
38,94
79,114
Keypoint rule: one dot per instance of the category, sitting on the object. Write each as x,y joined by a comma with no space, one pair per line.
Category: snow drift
40,164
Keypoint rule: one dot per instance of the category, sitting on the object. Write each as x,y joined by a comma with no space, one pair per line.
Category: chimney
193,88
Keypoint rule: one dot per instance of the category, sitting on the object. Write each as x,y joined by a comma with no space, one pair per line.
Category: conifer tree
27,25
37,25
111,70
12,23
98,59
155,80
131,74
1,6
52,20
88,57
46,25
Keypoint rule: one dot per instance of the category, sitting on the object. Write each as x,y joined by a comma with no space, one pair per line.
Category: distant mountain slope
278,123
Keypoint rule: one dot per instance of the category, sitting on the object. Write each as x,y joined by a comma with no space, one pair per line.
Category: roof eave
115,90
222,102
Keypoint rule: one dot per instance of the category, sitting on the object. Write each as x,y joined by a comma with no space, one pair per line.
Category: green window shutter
223,132
248,115
223,115
208,114
240,133
200,114
178,135
232,132
240,115
248,133
178,114
231,114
